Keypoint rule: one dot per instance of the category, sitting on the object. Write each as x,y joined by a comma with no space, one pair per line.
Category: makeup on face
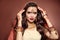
31,18
32,10
31,13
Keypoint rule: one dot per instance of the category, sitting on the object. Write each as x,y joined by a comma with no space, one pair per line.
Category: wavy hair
40,22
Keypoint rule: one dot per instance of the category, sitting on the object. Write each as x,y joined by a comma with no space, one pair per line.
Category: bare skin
19,33
54,33
31,25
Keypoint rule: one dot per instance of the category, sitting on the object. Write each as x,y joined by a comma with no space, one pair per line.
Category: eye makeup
32,12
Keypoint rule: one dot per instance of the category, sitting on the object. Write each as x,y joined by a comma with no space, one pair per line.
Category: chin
31,21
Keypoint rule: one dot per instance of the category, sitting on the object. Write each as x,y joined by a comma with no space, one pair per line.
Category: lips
31,18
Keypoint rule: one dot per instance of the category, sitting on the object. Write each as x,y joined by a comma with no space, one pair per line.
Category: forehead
32,9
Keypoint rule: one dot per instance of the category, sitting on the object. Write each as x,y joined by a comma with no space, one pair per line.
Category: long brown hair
40,22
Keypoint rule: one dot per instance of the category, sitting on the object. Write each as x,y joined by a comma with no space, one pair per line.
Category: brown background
9,9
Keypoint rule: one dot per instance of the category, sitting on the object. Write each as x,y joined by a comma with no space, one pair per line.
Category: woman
33,24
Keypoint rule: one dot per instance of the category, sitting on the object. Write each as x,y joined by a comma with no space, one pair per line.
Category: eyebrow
32,12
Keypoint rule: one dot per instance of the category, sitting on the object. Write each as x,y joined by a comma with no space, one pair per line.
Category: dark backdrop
9,9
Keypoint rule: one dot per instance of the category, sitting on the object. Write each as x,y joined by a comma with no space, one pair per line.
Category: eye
35,12
28,12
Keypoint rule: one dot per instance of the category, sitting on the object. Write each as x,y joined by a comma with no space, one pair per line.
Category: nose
32,14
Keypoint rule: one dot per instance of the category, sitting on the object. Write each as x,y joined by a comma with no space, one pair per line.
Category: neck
31,25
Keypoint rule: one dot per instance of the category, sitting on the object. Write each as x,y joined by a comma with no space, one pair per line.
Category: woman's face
31,14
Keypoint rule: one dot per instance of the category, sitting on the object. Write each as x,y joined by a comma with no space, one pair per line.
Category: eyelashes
32,12
28,12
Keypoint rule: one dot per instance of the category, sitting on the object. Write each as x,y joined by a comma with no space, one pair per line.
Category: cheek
27,16
31,15
35,16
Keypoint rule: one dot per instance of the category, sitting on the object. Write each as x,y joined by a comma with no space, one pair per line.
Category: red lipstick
31,18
